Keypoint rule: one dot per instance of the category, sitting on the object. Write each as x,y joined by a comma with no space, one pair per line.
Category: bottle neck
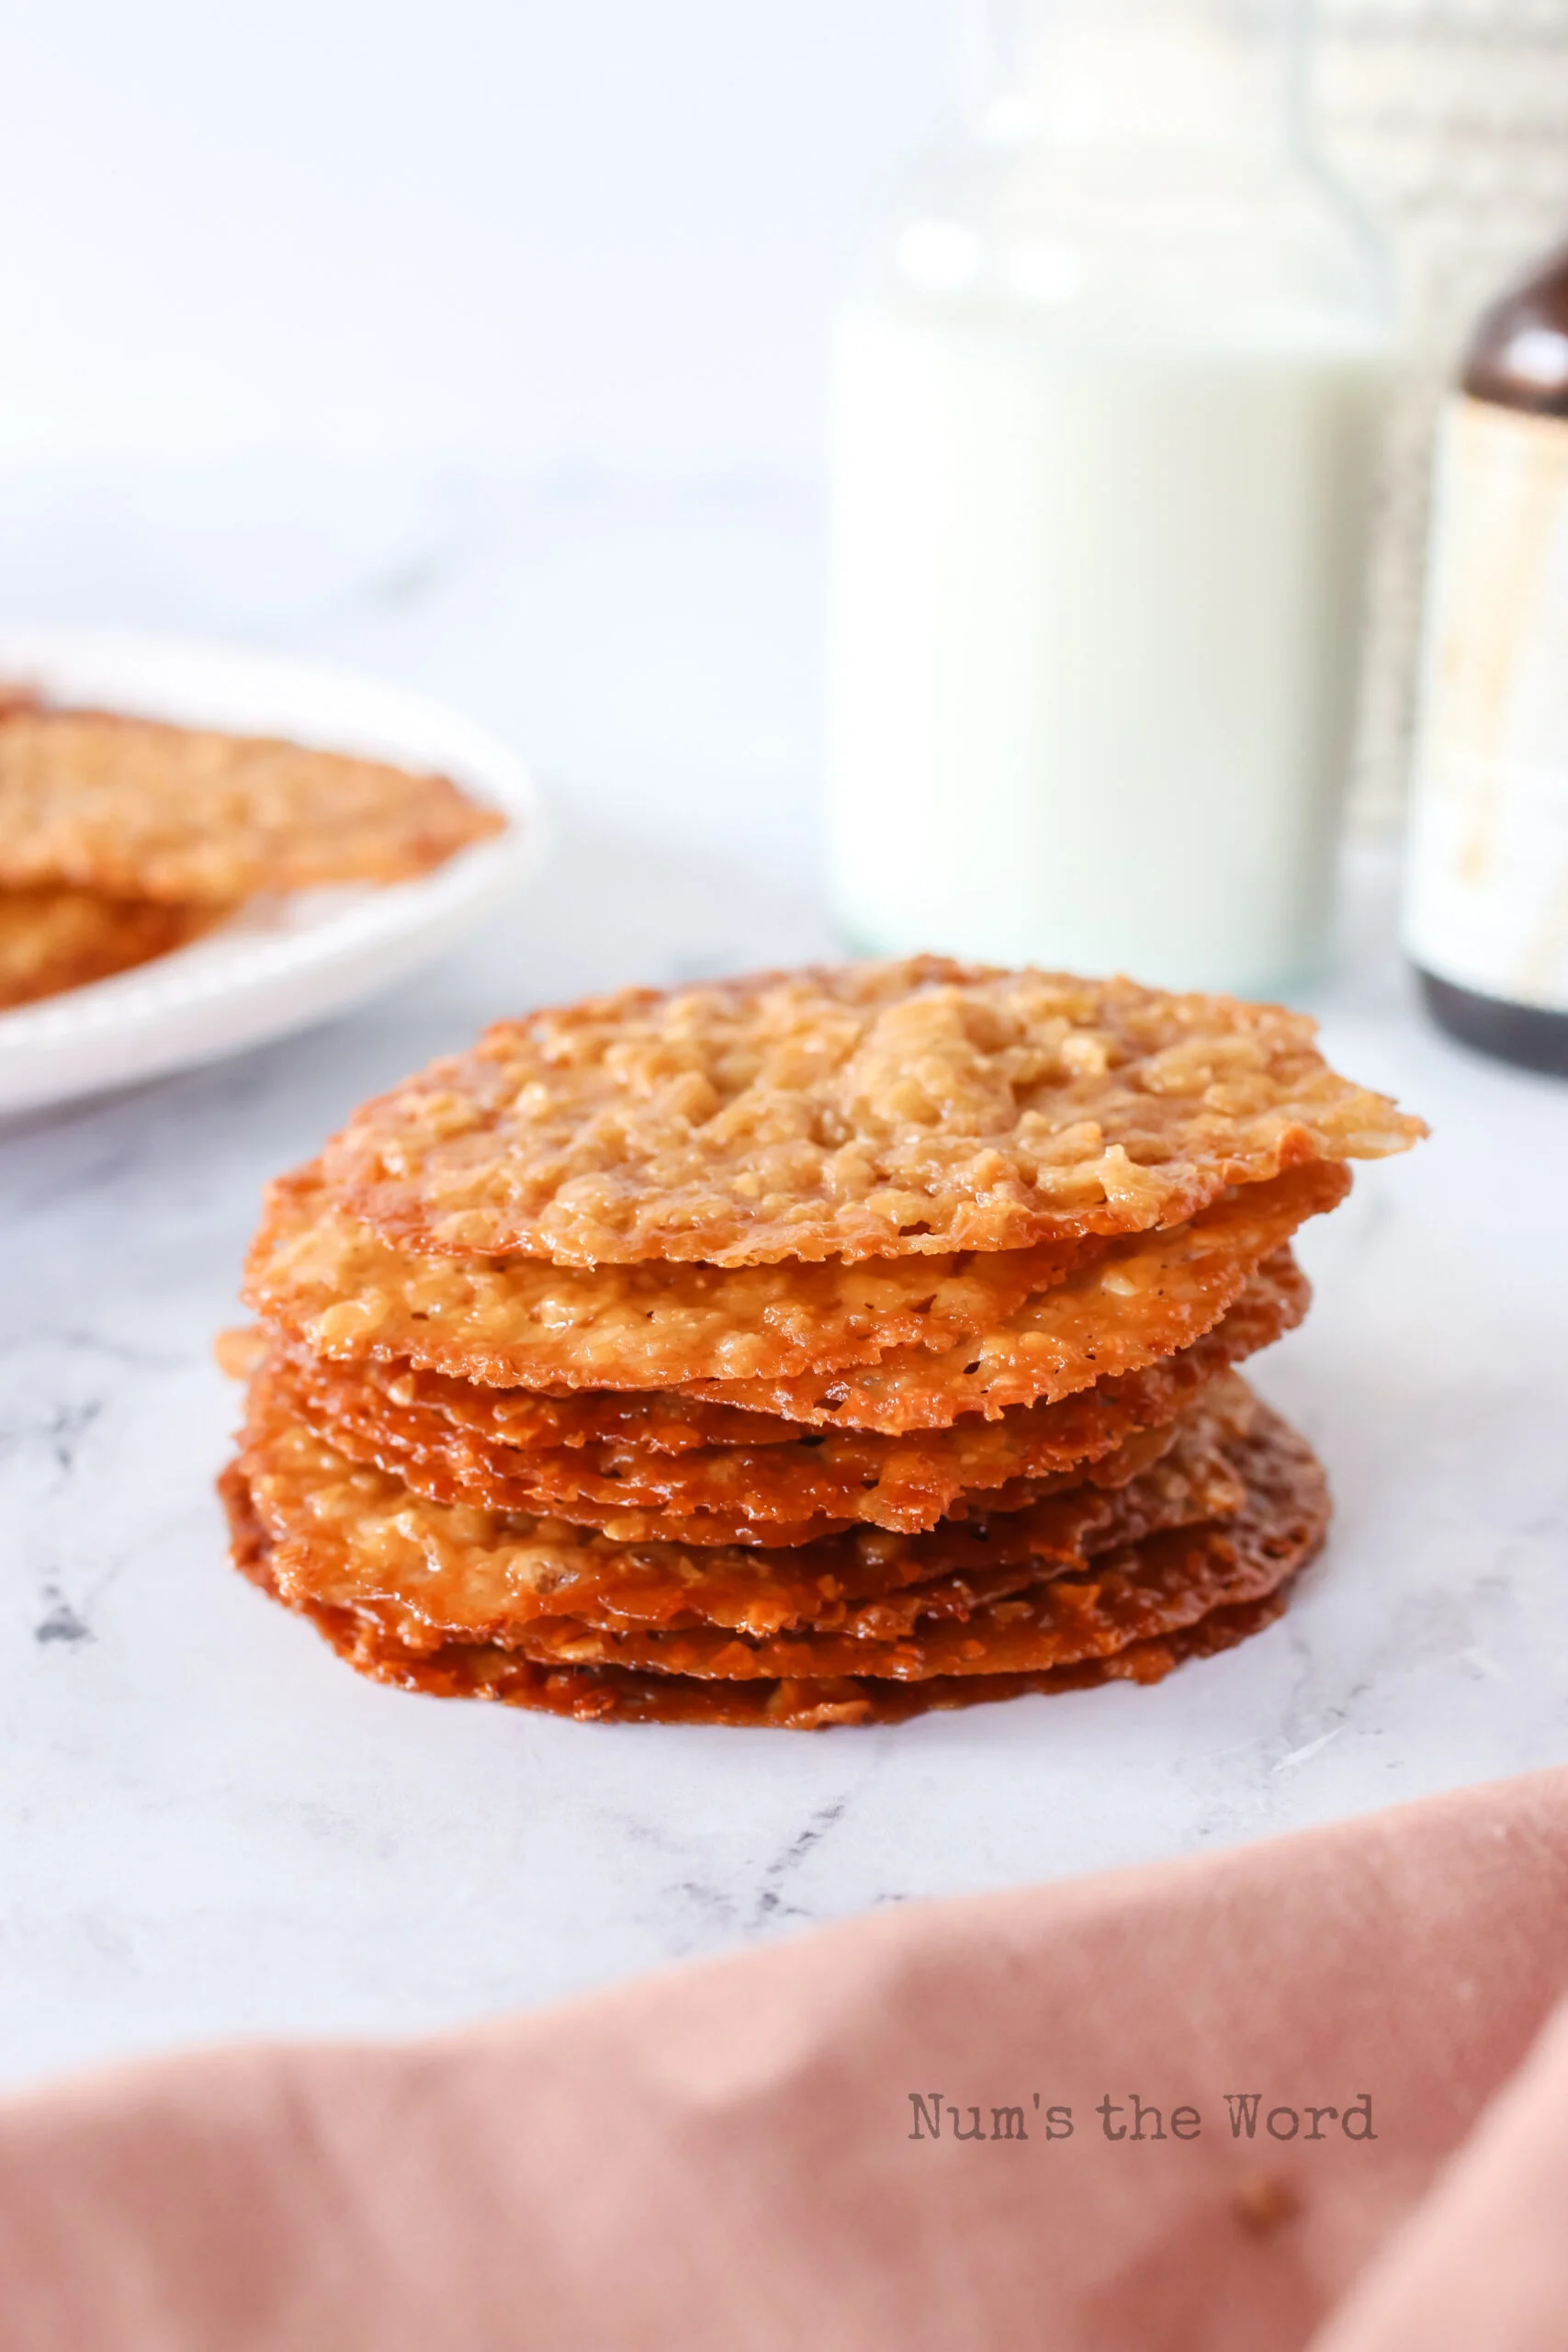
1176,74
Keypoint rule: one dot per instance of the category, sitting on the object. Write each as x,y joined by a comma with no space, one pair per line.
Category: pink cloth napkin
1315,2095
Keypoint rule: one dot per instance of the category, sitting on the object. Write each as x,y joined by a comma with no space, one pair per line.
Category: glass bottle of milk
1104,402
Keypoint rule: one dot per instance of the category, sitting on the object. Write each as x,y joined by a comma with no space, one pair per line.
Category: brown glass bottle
1489,938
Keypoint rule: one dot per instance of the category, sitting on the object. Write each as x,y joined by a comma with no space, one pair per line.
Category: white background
597,235
479,344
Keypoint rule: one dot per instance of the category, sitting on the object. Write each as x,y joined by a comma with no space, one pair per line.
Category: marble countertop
209,1826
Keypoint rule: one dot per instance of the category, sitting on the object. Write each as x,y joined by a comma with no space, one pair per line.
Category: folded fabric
1295,2094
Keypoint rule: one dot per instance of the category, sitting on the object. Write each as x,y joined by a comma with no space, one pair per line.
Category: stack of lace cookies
813,1347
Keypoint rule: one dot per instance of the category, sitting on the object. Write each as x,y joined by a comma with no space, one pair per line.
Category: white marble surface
208,1825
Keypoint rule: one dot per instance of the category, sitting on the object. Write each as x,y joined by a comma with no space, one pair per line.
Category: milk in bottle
1104,405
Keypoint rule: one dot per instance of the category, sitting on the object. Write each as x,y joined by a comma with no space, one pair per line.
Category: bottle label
1486,903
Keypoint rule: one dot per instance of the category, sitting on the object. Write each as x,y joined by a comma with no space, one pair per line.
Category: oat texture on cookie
862,1111
53,938
816,1349
123,839
323,1272
683,1455
139,808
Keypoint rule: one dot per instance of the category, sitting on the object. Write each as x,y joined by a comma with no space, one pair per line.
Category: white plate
281,964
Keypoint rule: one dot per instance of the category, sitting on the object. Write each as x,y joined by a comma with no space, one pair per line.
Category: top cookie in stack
808,1348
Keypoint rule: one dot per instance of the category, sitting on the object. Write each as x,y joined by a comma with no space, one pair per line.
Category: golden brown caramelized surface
323,1275
1134,1611
720,1495
618,1694
1156,1585
673,1455
135,809
1148,1297
813,1347
349,1535
854,1111
53,938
